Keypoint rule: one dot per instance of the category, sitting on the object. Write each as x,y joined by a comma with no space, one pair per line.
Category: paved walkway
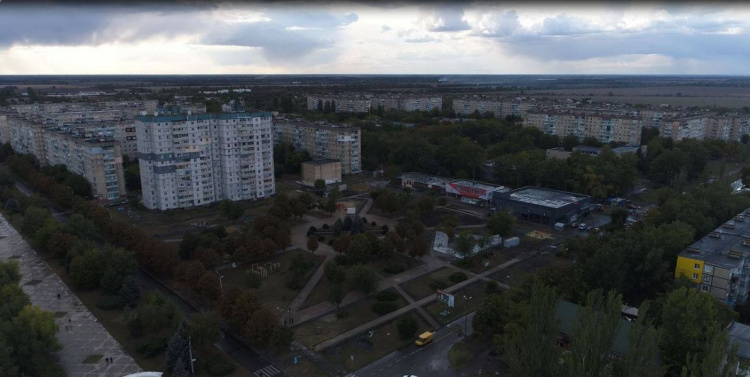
86,336
395,314
435,325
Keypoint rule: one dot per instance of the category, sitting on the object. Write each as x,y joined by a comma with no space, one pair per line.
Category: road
430,360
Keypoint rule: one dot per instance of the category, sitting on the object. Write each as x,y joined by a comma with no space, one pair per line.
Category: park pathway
435,325
79,332
395,314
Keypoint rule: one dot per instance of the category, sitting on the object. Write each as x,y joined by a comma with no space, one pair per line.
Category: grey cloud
499,25
447,19
565,25
421,39
276,42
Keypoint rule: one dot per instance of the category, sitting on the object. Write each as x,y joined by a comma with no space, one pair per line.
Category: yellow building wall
686,266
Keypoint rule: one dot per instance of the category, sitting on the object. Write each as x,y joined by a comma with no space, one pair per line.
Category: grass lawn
419,288
273,291
516,273
395,259
366,349
305,368
460,355
328,326
477,293
494,258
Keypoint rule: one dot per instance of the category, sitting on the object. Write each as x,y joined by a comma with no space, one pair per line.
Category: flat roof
321,162
205,116
715,247
425,178
626,148
739,335
479,185
546,197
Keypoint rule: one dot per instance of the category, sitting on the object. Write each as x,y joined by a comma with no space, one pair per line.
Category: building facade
191,160
323,141
719,263
327,170
605,128
541,205
365,103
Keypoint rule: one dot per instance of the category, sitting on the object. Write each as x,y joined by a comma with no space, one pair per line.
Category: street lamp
220,284
466,317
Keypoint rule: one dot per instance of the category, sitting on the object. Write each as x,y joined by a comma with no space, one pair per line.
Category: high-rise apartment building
365,103
605,128
323,141
190,160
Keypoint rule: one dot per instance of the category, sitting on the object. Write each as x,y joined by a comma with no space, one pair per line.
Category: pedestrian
106,360
58,296
69,320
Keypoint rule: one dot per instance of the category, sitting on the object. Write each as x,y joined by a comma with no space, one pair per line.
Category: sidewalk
86,336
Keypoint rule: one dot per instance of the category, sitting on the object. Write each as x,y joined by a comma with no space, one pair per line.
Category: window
706,278
704,288
695,276
697,266
709,269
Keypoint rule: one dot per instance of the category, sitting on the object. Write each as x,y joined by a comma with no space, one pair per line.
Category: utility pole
221,286
466,317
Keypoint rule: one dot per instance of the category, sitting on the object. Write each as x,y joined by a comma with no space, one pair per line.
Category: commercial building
541,205
561,154
424,182
473,192
327,170
719,263
97,158
323,141
190,160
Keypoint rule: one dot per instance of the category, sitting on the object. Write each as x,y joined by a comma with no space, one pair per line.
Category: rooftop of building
739,335
587,149
203,116
726,246
546,197
627,148
425,178
321,162
479,185
319,125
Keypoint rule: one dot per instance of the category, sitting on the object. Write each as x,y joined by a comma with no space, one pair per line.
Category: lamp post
221,286
466,317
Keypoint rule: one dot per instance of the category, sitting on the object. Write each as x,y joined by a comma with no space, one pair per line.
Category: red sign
469,192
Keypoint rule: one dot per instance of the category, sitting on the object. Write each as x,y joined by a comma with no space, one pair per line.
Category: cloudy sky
364,37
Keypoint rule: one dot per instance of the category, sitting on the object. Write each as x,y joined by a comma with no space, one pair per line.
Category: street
428,361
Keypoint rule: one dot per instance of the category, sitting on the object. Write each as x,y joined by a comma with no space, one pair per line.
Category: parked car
574,225
424,338
588,228
582,226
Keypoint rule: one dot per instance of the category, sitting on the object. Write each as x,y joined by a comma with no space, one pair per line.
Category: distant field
688,95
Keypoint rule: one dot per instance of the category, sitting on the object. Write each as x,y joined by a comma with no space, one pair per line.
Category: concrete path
85,336
395,314
427,317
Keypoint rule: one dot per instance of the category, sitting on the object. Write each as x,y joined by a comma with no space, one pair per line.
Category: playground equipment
262,270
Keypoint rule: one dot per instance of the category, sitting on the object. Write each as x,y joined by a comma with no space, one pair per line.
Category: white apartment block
95,157
324,141
500,108
191,160
684,128
602,127
355,103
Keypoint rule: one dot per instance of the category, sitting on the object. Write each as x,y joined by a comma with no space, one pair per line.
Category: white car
582,226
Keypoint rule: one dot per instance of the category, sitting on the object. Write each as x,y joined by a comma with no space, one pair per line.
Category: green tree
260,327
449,224
426,204
231,211
85,270
204,329
320,184
336,294
531,349
312,244
407,327
464,244
387,202
593,334
281,338
643,348
334,273
177,348
501,223
32,218
129,292
365,279
81,227
490,318
715,361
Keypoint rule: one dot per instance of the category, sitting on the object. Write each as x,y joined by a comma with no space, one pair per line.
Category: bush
253,280
407,327
374,223
438,284
330,242
295,282
342,314
384,228
135,326
364,220
321,238
393,268
152,347
219,366
442,201
457,277
491,287
342,260
312,230
384,307
387,296
325,226
109,302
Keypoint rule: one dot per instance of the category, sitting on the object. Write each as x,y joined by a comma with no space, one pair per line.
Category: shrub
387,296
135,326
457,277
364,220
330,242
384,228
321,238
491,287
342,260
219,366
393,268
312,230
442,201
295,282
384,307
253,280
325,226
374,223
152,347
342,314
109,302
438,284
407,327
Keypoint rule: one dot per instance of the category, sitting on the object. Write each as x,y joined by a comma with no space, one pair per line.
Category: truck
425,338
